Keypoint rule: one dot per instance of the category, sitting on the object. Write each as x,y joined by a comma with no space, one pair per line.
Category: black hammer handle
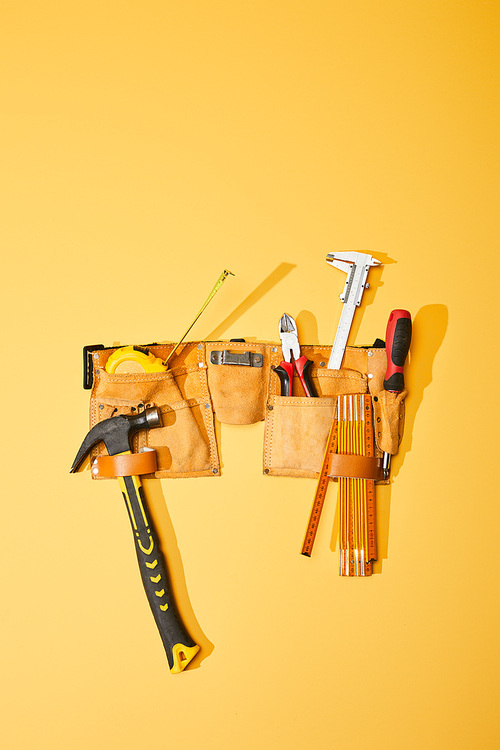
179,646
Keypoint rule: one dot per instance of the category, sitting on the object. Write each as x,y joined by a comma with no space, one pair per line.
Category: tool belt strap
126,465
356,467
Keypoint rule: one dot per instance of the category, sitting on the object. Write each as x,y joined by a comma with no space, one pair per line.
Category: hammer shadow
428,332
264,287
168,540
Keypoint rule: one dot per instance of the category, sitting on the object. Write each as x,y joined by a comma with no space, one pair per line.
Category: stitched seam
235,345
147,377
187,403
270,434
208,416
306,401
339,375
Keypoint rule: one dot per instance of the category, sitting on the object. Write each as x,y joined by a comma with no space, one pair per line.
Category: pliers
291,348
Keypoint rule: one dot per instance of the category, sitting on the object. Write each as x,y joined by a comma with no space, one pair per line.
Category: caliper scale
356,266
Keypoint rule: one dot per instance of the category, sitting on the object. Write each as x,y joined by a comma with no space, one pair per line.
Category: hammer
116,433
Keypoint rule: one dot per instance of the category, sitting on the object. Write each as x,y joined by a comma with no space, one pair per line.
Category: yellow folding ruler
351,434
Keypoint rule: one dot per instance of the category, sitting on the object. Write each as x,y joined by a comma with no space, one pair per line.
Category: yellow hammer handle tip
182,655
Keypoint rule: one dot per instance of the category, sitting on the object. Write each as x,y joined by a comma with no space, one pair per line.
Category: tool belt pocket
237,379
297,427
389,416
185,445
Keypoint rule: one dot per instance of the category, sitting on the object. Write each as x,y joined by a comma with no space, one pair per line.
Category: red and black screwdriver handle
397,346
285,373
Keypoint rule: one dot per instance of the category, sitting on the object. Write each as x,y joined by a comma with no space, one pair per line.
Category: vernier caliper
356,266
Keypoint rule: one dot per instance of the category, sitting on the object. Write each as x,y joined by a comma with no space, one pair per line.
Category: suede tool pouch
185,445
234,382
297,427
238,375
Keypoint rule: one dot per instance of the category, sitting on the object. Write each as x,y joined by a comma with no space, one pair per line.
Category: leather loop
356,467
125,465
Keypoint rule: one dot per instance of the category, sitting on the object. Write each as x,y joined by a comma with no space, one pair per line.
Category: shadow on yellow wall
159,511
429,329
258,293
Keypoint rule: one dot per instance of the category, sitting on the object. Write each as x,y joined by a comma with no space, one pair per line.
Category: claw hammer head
116,433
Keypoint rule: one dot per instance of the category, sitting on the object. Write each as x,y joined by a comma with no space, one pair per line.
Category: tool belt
233,382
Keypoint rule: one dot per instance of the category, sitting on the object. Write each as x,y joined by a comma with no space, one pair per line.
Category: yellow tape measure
212,294
129,359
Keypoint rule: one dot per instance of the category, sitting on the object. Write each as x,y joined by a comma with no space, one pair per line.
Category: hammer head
116,433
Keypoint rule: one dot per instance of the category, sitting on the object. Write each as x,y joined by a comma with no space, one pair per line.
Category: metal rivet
215,471
370,354
97,372
207,406
101,406
96,356
321,364
370,375
266,471
270,407
274,349
200,346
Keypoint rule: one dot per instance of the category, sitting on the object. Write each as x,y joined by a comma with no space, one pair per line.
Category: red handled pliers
291,349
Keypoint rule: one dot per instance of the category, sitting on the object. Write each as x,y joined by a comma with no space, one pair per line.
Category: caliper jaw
356,266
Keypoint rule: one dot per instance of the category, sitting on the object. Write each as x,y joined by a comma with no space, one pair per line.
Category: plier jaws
292,358
289,338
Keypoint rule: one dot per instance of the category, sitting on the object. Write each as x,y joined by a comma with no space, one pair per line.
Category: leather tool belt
233,382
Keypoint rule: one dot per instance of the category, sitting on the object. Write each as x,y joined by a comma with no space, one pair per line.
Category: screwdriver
397,345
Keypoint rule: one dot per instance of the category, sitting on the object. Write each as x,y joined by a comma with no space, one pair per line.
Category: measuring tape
139,359
134,359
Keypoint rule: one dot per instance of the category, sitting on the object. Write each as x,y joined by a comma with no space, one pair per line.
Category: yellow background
145,147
